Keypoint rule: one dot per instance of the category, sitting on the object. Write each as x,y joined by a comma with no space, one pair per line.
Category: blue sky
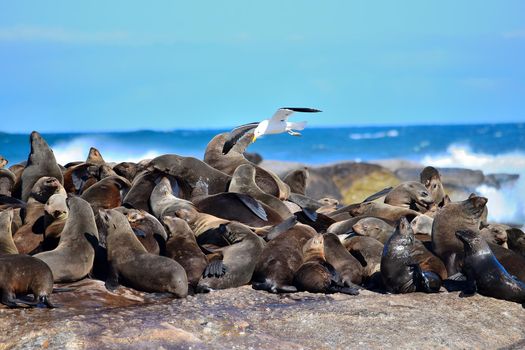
124,65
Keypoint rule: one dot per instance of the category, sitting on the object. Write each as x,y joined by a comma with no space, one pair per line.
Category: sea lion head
3,161
40,150
419,194
56,206
472,241
234,232
113,220
94,156
314,247
361,208
45,187
475,205
369,226
431,179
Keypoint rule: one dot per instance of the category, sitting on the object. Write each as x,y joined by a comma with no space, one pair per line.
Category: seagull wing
236,134
283,113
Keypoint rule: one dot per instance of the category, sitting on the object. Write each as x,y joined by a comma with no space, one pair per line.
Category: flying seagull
275,125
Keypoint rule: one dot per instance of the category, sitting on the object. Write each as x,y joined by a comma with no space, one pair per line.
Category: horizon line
332,126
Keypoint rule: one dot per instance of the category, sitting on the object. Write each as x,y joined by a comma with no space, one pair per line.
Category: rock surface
92,318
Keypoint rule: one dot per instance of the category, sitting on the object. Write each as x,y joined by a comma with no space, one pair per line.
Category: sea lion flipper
379,194
310,214
281,228
112,279
39,227
253,205
161,242
92,239
470,289
215,268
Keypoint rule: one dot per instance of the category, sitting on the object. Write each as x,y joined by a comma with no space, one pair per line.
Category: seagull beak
254,138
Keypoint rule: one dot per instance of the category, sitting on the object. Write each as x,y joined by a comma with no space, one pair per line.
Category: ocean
492,148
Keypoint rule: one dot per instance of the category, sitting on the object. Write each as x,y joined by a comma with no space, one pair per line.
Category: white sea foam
374,135
112,151
506,204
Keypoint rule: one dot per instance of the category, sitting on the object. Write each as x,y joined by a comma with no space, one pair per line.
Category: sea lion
422,225
243,181
3,161
7,245
375,228
94,157
266,180
367,251
449,219
134,266
7,182
315,274
400,270
495,234
78,178
126,169
383,211
239,207
23,274
41,162
427,260
147,228
29,236
431,179
485,274
516,240
73,258
349,269
238,259
296,179
54,220
183,248
328,205
107,193
192,170
410,194
279,260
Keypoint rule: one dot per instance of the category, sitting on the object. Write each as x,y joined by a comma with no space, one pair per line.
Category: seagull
277,124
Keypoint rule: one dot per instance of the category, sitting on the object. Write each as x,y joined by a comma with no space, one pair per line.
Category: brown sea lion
328,205
73,258
41,162
484,272
296,179
7,182
516,240
94,157
134,266
147,228
346,265
375,228
126,169
54,220
383,211
29,236
78,178
7,245
279,260
243,181
315,274
428,261
183,248
266,180
431,179
400,270
367,251
23,274
449,219
410,194
107,193
495,234
237,262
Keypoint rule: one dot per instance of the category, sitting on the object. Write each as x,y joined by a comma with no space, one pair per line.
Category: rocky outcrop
92,318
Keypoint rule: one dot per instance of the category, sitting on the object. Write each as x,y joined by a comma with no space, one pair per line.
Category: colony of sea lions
182,226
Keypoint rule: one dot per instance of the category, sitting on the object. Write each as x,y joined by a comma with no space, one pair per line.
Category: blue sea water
492,148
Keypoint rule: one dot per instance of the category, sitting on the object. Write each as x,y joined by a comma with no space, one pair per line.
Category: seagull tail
295,125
